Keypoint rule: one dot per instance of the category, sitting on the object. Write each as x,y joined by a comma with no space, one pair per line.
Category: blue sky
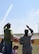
19,13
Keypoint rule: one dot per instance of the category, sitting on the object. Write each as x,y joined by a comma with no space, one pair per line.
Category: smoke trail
4,18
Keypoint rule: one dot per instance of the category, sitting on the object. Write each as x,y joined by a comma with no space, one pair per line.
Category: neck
26,34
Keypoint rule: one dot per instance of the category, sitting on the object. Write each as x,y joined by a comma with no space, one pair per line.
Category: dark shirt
7,36
26,41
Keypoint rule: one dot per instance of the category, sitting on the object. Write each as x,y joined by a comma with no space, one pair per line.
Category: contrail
4,18
8,11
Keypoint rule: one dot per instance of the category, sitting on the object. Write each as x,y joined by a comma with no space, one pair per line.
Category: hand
27,26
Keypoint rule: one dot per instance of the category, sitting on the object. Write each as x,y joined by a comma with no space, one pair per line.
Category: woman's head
15,46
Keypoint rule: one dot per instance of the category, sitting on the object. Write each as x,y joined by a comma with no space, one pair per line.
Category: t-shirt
7,36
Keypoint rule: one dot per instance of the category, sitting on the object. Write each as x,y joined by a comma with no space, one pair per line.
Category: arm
30,29
5,27
11,36
21,40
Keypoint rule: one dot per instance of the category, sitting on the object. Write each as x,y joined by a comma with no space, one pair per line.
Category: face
26,32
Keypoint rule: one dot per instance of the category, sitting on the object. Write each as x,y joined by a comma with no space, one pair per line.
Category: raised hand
27,26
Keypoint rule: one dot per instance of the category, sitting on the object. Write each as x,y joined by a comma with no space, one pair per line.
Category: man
1,45
26,41
7,39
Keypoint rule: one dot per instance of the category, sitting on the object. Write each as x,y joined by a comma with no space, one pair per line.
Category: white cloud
33,13
33,19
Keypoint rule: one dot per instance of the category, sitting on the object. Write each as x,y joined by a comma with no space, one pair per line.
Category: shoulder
29,36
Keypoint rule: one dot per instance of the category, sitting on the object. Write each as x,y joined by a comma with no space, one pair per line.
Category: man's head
26,32
8,25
